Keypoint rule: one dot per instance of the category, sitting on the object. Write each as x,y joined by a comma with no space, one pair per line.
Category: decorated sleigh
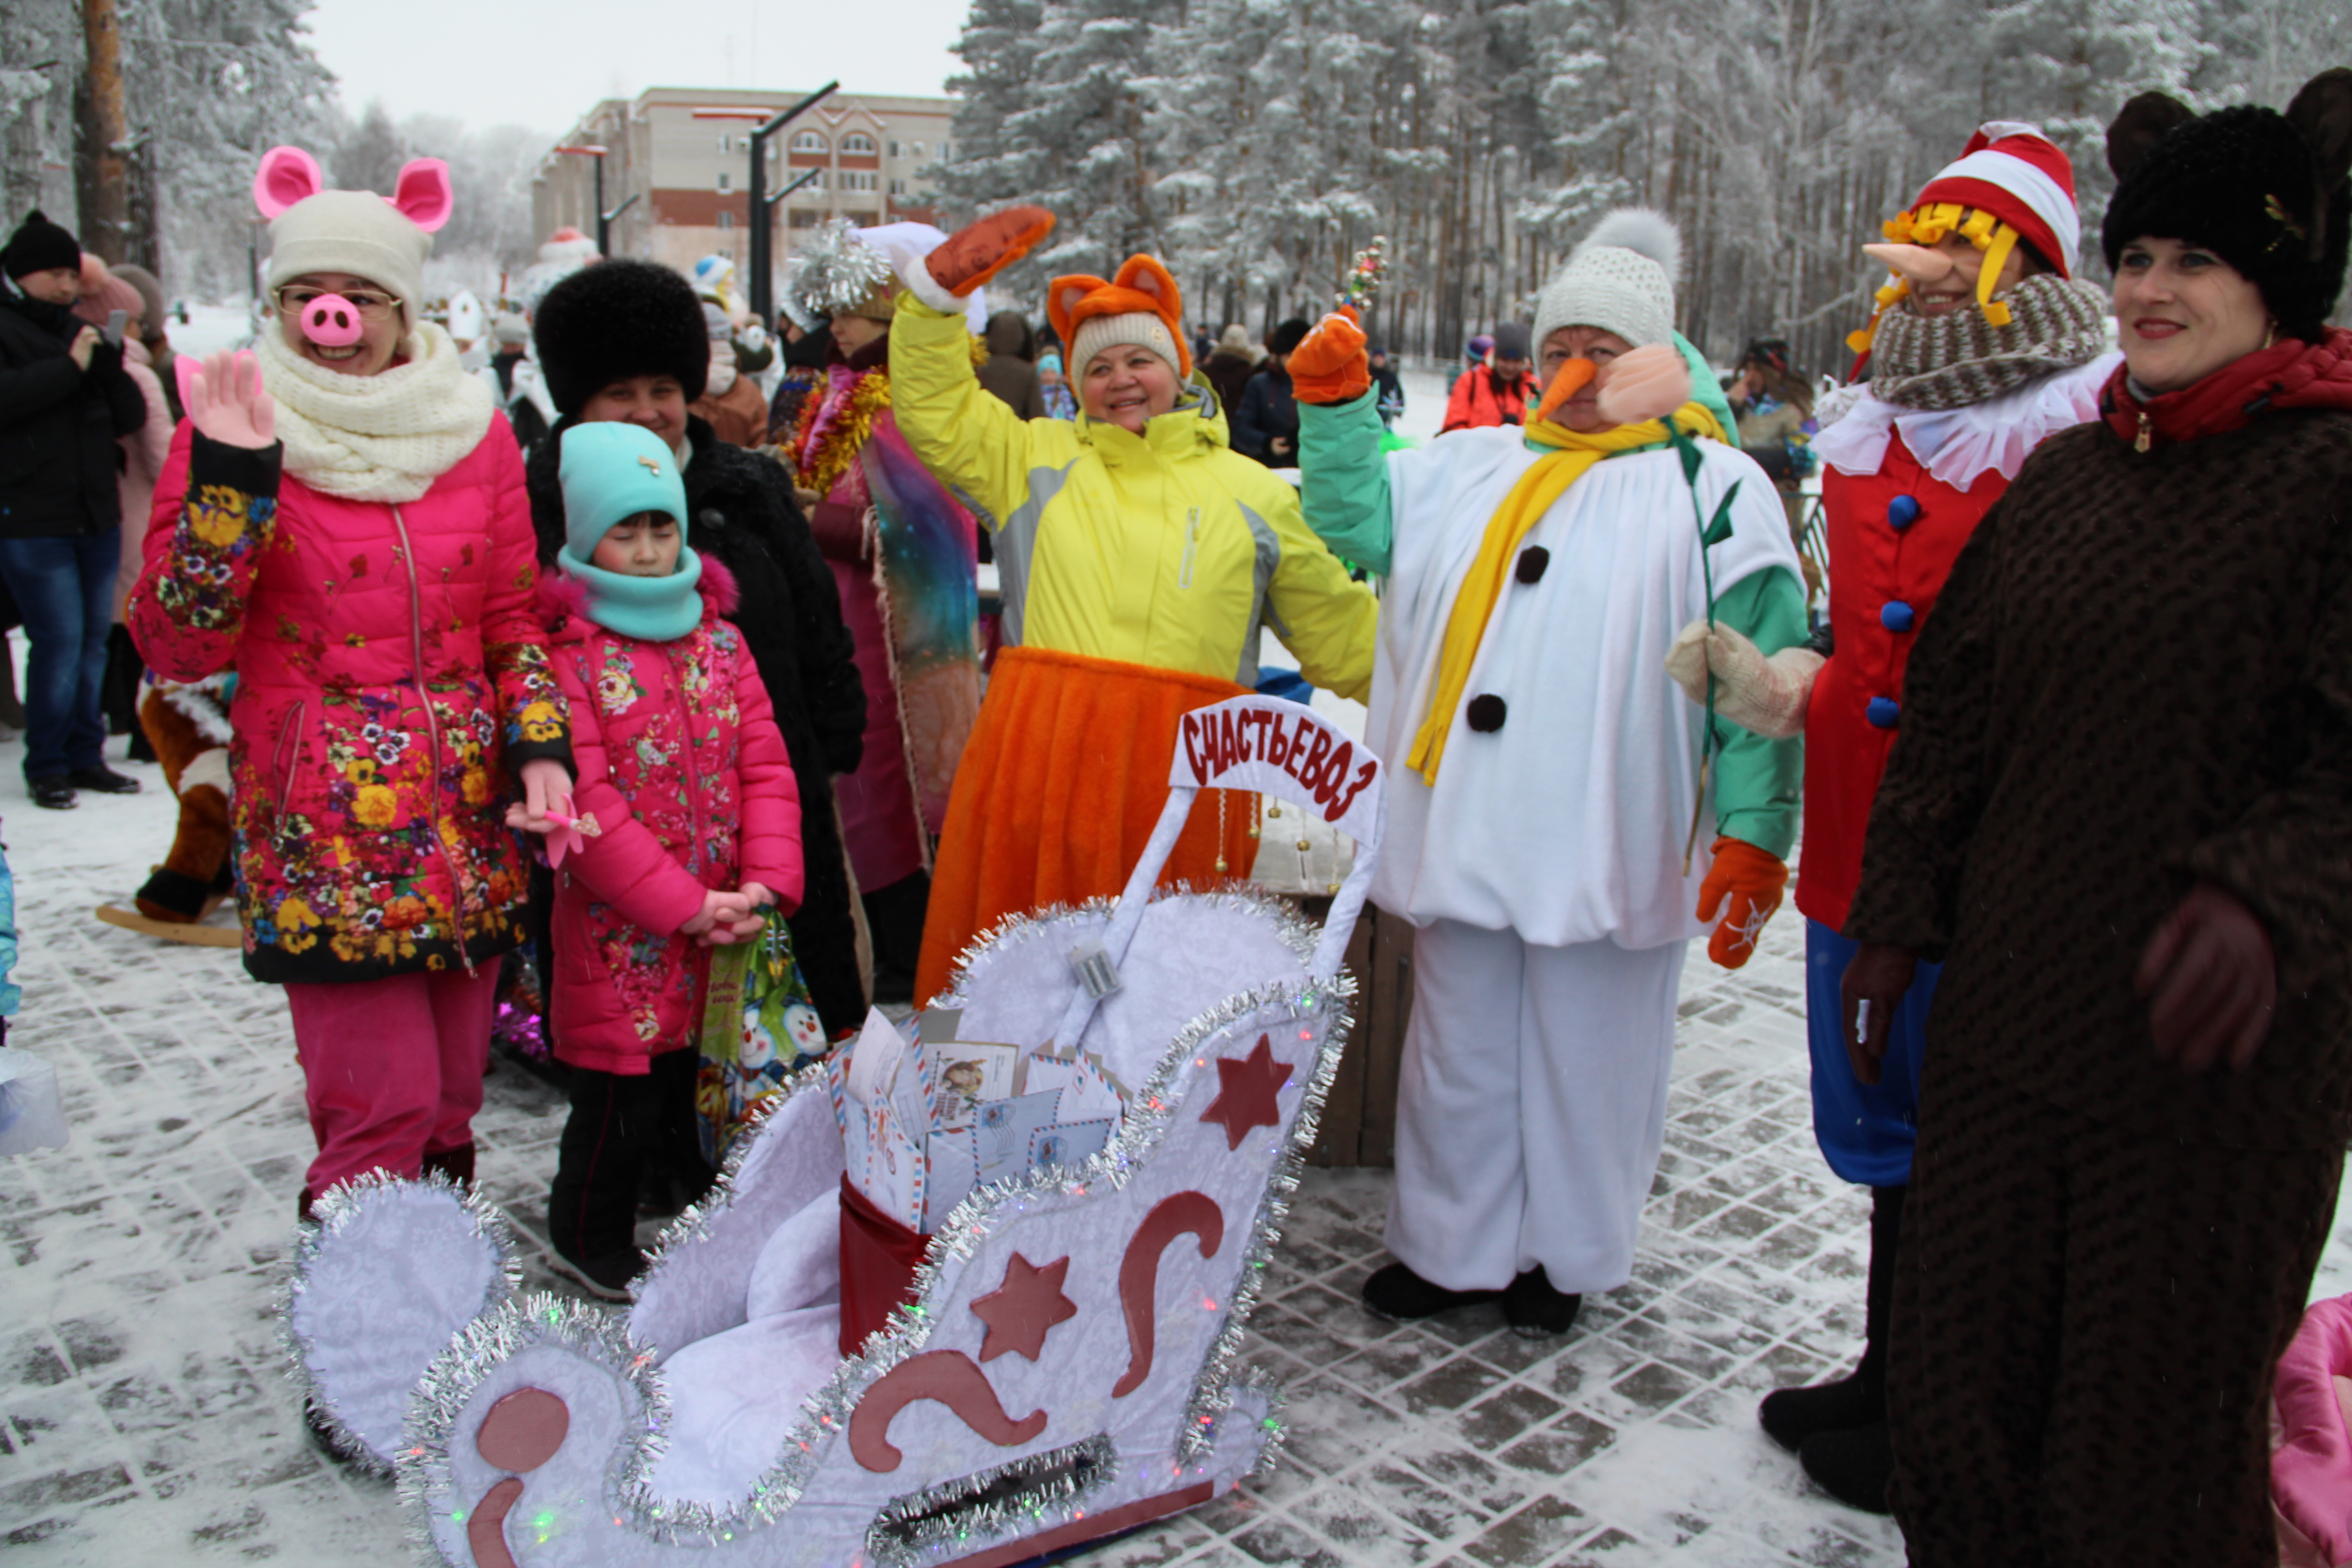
1059,1365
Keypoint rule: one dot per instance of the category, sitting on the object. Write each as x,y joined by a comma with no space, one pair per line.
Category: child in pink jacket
691,818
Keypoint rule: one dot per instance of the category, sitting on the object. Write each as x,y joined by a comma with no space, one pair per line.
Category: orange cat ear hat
1143,288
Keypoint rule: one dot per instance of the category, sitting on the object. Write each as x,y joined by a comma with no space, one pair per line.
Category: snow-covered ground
143,1417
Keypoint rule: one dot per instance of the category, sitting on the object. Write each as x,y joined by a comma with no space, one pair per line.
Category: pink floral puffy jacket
687,777
390,673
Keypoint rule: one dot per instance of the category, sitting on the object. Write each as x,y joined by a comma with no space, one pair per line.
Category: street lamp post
604,219
764,303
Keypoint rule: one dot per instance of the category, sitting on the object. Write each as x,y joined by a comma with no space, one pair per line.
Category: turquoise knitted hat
611,471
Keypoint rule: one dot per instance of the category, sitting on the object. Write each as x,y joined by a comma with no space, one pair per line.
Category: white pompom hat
1621,279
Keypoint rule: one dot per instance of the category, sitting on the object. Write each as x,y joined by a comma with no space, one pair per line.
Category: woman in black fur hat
2120,813
624,340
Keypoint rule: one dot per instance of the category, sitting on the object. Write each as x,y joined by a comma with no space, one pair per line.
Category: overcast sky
543,64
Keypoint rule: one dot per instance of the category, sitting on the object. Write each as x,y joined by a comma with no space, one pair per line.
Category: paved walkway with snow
144,1418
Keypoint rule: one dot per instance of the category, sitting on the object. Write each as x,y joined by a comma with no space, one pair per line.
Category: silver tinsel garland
328,1216
910,1527
488,1343
834,272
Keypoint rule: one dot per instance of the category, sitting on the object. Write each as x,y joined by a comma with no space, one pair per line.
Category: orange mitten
986,247
1330,365
1752,881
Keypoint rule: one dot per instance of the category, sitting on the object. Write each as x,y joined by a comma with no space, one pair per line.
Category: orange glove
1752,881
986,247
1330,365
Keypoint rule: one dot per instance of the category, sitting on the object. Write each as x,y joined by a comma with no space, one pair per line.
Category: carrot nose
1571,378
1915,262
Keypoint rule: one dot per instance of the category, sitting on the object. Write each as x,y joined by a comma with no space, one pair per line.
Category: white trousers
1532,1109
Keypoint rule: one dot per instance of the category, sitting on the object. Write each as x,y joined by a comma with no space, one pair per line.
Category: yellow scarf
1546,480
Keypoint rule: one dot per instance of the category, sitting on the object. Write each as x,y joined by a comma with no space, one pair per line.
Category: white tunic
1565,825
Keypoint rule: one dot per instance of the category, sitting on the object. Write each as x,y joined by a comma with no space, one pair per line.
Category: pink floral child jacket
390,674
687,777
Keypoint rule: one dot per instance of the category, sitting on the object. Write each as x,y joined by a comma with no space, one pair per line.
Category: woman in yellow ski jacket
1139,557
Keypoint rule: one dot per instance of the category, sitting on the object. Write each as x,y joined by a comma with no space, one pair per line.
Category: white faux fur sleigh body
1066,1371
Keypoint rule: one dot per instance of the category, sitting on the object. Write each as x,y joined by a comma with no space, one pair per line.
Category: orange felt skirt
1064,778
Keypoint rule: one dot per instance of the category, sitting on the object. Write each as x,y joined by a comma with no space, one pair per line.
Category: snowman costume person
1547,777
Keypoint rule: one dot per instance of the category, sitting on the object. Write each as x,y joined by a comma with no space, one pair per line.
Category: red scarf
2289,373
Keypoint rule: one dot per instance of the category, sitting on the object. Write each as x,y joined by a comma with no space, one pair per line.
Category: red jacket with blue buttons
1893,537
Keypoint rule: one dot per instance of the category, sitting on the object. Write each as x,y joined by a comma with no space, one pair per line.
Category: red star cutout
1245,1091
1021,1311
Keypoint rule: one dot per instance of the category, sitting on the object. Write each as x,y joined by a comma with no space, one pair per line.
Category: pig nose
332,321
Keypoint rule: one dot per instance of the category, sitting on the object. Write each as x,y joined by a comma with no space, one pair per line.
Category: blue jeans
1865,1131
65,590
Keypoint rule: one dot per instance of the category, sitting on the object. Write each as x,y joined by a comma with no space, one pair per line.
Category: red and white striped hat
2010,170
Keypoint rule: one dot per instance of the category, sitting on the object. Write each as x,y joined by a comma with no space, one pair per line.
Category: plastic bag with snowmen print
759,1028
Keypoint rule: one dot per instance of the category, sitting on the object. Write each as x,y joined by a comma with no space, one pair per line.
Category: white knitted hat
1143,328
1621,279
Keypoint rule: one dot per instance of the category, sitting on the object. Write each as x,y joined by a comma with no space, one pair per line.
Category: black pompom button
1532,561
1486,714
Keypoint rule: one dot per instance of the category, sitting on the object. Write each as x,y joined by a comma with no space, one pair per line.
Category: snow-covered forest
207,87
1257,144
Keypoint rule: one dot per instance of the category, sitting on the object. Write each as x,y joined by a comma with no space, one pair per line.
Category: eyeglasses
372,304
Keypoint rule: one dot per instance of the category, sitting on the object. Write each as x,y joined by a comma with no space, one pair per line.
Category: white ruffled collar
1957,445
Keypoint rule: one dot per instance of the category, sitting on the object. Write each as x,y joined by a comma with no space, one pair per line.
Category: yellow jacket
1165,549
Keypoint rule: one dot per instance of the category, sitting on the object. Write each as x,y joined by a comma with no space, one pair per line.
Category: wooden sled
195,933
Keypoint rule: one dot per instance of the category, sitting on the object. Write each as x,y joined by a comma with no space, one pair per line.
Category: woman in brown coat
2119,810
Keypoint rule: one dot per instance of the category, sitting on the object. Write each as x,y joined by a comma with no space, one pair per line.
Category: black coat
740,512
58,424
1268,410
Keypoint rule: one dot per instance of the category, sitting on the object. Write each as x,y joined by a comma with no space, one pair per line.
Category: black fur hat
2263,191
613,320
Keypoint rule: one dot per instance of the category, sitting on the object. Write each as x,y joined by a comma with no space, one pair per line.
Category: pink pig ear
423,195
287,176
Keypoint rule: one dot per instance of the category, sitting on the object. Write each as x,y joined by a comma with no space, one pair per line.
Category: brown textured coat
2140,676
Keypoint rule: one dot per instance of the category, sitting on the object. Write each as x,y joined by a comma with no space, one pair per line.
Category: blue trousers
65,590
1865,1131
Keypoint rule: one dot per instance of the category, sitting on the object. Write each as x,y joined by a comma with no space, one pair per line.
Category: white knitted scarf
384,438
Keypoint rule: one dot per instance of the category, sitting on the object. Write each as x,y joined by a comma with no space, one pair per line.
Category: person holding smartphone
64,401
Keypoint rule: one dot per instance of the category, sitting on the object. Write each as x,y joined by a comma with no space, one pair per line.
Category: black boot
894,916
1396,1291
1792,1416
1854,1465
458,1165
592,1209
1535,1310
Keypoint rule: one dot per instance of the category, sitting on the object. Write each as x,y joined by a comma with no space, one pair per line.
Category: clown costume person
1547,778
1984,343
1140,556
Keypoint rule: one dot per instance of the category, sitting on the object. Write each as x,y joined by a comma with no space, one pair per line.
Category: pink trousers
391,1068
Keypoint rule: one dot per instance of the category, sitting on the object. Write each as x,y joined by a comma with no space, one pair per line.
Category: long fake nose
332,321
1570,379
1916,263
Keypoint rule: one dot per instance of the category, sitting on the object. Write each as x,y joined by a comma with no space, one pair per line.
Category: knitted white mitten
1767,696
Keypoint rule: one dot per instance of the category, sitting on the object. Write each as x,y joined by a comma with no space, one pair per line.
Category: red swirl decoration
1183,1214
954,1380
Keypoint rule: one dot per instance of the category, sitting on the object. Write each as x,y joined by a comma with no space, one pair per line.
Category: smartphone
114,324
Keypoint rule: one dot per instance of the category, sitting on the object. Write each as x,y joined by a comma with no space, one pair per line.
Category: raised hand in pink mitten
1647,383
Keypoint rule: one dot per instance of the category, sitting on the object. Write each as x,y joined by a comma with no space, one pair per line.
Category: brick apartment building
685,154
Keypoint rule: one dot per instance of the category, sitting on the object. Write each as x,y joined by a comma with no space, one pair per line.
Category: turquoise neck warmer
651,609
